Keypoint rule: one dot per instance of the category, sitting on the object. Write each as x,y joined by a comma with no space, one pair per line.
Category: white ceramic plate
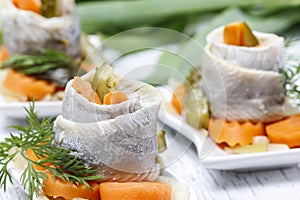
213,157
16,109
168,174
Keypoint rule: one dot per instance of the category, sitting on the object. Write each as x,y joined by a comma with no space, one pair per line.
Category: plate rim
22,104
15,110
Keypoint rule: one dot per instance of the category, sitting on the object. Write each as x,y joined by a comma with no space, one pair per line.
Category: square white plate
213,157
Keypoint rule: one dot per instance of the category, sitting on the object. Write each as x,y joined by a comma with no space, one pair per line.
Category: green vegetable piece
161,140
50,8
105,80
196,111
249,38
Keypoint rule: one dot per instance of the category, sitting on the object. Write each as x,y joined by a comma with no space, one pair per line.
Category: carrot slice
234,133
135,191
3,53
32,156
178,98
85,89
115,97
59,188
30,5
286,131
27,85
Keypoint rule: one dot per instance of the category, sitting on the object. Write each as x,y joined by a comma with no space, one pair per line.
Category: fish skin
26,32
243,94
120,142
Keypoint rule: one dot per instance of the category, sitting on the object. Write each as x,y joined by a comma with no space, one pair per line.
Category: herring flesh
243,83
26,32
118,140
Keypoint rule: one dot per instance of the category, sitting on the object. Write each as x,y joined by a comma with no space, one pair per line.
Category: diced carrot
115,97
59,188
178,98
286,131
27,85
135,191
85,89
32,156
232,35
3,53
30,5
239,34
234,133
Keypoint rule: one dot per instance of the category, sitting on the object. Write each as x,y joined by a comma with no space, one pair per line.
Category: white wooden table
209,184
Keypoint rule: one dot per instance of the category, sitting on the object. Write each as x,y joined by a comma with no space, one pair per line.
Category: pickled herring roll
118,137
267,55
30,30
242,81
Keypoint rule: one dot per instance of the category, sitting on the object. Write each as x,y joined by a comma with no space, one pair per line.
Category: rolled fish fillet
26,32
118,140
267,56
242,83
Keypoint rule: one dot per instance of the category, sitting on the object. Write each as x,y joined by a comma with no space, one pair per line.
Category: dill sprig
44,65
38,137
291,74
290,41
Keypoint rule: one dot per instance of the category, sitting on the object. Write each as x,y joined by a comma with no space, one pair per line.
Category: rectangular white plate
213,157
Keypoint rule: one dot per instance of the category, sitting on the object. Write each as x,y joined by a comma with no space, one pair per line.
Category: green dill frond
291,74
38,137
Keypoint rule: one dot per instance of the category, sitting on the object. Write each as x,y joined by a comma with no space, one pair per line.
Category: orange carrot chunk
3,53
115,97
286,131
30,5
239,34
234,133
178,98
232,35
59,188
85,89
135,191
27,85
32,156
